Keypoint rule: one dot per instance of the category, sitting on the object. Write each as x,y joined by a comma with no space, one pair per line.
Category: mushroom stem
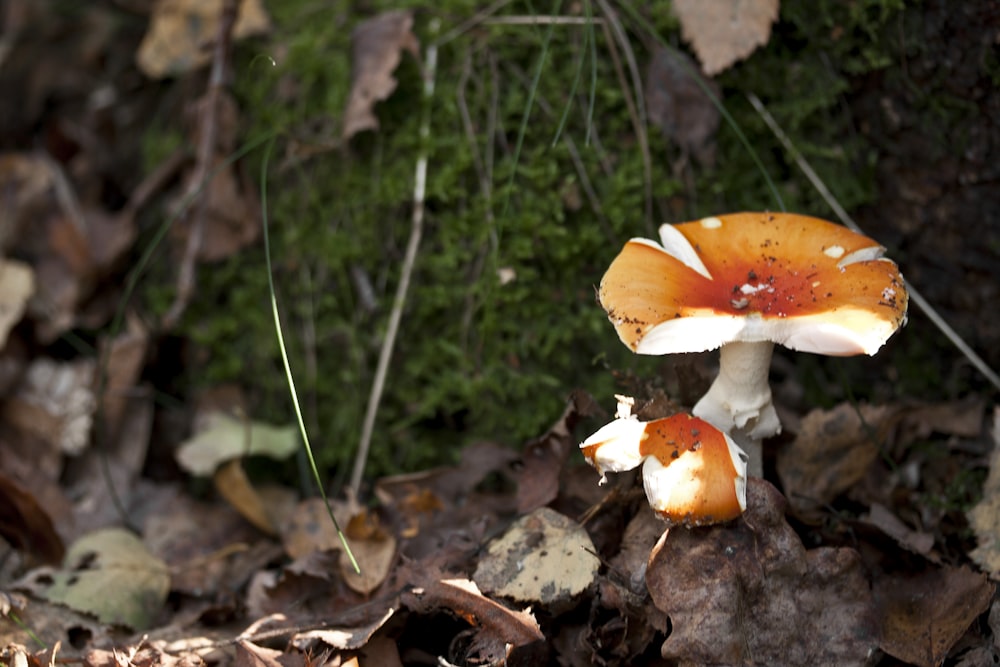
739,400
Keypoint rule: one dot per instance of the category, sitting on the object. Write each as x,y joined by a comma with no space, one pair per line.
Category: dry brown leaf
732,591
232,483
723,32
677,103
544,457
376,49
499,629
374,549
251,655
963,418
205,545
925,614
831,452
179,31
344,639
308,528
912,540
25,524
544,557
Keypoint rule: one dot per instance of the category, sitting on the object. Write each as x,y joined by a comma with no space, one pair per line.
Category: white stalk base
739,401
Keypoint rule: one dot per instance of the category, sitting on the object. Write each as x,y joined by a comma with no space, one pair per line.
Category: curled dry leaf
544,558
832,451
232,483
376,48
344,639
723,32
730,592
499,629
180,29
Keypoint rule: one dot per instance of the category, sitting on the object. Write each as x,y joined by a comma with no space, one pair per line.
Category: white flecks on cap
711,223
834,251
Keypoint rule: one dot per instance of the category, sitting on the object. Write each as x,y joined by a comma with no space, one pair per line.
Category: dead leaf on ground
916,541
731,591
925,614
180,30
234,486
110,574
723,32
252,655
499,629
374,548
831,452
963,418
376,49
208,546
678,102
53,623
543,459
623,589
344,639
543,558
68,244
308,527
25,523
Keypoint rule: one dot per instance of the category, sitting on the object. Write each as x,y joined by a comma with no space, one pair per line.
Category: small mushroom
693,473
743,282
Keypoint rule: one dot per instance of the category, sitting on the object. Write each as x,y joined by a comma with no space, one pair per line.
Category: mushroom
693,473
743,282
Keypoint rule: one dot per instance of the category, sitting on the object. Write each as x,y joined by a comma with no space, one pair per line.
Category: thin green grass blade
284,357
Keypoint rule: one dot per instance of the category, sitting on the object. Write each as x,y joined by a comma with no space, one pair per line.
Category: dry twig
186,274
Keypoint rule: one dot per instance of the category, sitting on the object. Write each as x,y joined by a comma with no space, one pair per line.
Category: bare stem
739,400
416,231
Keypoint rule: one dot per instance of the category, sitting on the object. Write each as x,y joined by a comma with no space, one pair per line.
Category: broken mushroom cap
801,282
693,473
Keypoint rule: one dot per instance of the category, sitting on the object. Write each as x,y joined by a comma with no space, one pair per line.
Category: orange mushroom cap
801,282
693,473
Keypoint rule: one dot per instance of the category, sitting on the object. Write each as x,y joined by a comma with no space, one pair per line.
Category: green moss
477,356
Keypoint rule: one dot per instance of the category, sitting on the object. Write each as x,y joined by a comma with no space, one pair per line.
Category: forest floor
135,532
